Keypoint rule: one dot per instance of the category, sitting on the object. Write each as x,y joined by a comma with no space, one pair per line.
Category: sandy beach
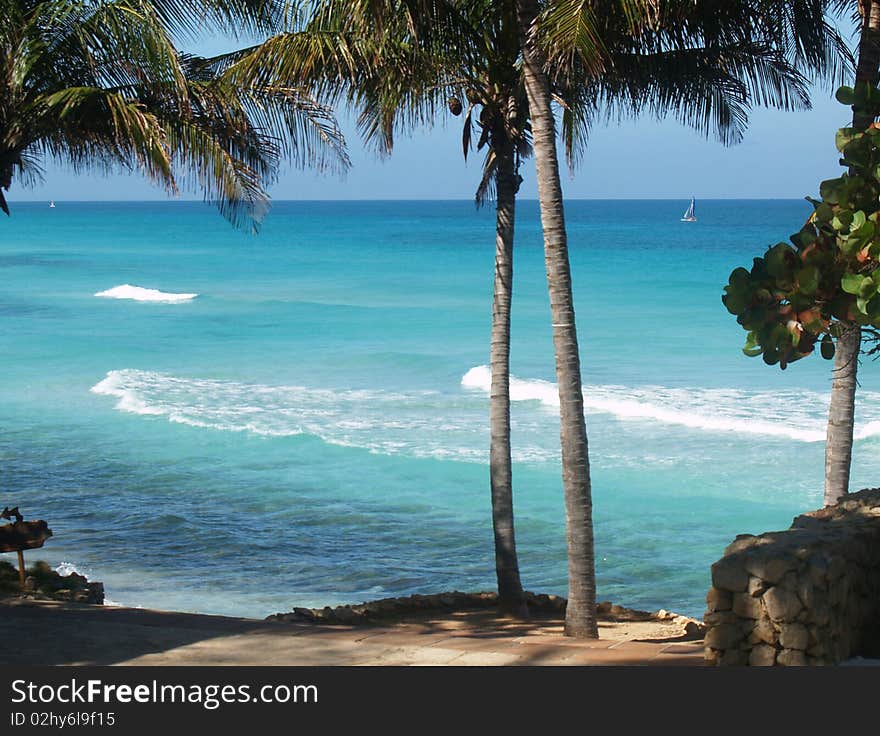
55,633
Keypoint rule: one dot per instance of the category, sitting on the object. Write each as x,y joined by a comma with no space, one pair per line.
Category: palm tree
571,33
495,87
580,614
841,410
102,86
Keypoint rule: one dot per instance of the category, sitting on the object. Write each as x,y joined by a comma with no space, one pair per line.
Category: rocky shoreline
43,583
539,605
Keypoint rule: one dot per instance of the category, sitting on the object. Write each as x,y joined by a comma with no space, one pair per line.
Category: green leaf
830,190
808,279
872,308
844,137
866,230
824,212
858,219
771,358
779,261
842,221
851,283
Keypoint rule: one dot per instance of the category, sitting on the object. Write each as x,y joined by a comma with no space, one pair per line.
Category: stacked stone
806,596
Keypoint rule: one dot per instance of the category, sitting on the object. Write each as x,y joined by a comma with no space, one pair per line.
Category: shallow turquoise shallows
226,423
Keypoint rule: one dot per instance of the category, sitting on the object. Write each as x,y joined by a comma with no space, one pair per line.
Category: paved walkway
69,634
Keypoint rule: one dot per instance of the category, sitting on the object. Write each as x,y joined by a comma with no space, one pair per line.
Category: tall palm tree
841,410
571,32
102,86
580,614
495,89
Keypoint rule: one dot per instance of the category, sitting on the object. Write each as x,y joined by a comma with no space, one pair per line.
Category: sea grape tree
826,282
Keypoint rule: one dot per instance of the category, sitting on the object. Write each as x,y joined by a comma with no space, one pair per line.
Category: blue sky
784,155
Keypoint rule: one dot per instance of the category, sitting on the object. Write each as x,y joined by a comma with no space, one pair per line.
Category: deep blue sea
226,423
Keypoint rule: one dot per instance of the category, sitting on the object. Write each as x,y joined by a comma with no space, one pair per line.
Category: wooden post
21,568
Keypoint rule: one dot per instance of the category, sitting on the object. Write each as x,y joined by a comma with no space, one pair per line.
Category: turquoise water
311,428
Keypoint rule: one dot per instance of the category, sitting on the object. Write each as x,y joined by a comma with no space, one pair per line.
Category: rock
793,636
728,574
756,586
718,600
782,605
790,582
769,569
762,656
816,650
734,658
694,628
724,636
764,631
741,542
42,582
720,617
836,567
792,658
746,606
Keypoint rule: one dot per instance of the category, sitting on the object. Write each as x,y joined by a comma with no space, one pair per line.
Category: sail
689,213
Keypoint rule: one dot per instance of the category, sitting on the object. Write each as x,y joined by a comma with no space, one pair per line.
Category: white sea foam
480,377
417,423
66,568
796,415
453,425
140,294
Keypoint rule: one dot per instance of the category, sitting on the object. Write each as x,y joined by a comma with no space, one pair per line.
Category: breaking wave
140,294
796,415
453,425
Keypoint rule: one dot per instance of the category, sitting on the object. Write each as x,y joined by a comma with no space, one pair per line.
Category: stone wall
806,596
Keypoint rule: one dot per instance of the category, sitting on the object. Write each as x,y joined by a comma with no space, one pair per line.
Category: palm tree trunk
580,615
841,415
510,592
841,412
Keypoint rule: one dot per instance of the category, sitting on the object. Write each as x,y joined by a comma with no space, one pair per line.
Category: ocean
218,422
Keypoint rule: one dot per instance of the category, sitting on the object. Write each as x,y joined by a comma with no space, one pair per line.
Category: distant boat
689,215
52,204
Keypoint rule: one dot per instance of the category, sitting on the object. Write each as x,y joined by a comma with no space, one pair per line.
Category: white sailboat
52,204
689,215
